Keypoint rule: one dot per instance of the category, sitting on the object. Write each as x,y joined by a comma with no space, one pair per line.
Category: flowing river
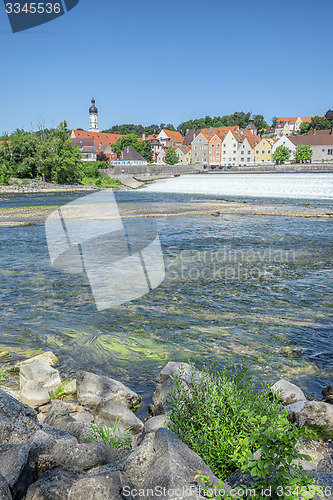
240,287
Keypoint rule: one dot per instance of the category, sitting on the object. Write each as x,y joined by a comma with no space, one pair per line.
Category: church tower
93,117
251,126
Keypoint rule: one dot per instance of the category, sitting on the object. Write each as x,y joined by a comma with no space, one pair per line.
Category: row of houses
209,147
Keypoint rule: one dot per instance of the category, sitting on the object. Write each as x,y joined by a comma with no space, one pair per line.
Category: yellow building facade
263,151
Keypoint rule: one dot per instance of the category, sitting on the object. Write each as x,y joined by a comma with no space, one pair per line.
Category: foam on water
287,186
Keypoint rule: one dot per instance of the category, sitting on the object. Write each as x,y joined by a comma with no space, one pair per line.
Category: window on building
224,145
269,151
212,157
330,152
234,152
218,157
242,152
248,159
212,145
257,152
262,152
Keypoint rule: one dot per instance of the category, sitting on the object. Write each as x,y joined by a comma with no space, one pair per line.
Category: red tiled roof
98,136
292,119
177,136
220,131
288,119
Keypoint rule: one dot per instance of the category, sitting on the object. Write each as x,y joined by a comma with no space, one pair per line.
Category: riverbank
64,439
20,216
238,288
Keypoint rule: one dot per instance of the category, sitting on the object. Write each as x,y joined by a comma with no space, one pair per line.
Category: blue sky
152,62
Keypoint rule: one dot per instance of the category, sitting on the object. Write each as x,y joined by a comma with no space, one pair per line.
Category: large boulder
41,373
173,467
5,493
105,486
84,456
165,383
53,485
138,462
18,422
111,411
46,357
326,465
155,423
15,468
34,394
327,393
44,440
288,393
58,416
308,413
95,389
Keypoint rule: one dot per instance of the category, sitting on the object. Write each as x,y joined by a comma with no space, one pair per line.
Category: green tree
304,128
320,123
5,161
282,153
23,161
62,164
260,122
303,153
274,122
171,157
142,147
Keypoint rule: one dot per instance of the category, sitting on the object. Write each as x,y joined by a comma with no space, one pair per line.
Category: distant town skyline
145,63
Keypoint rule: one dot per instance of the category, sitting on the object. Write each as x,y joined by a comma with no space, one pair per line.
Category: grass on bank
225,420
110,434
89,175
106,182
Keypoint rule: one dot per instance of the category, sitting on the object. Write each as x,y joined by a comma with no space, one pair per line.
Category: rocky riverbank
33,186
54,438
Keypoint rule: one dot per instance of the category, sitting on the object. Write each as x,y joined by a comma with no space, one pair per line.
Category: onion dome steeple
93,117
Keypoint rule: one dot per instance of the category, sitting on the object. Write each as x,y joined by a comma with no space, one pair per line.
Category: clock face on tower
24,15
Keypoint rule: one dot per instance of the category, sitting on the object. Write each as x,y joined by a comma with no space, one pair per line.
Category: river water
238,288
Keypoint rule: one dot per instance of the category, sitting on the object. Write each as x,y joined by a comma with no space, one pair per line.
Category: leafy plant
57,393
101,182
274,467
4,373
225,419
282,153
111,435
217,413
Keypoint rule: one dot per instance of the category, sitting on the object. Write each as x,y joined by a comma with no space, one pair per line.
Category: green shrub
4,175
219,412
90,169
225,419
101,182
4,374
111,435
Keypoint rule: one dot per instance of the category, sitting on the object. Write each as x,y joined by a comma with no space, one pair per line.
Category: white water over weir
299,185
